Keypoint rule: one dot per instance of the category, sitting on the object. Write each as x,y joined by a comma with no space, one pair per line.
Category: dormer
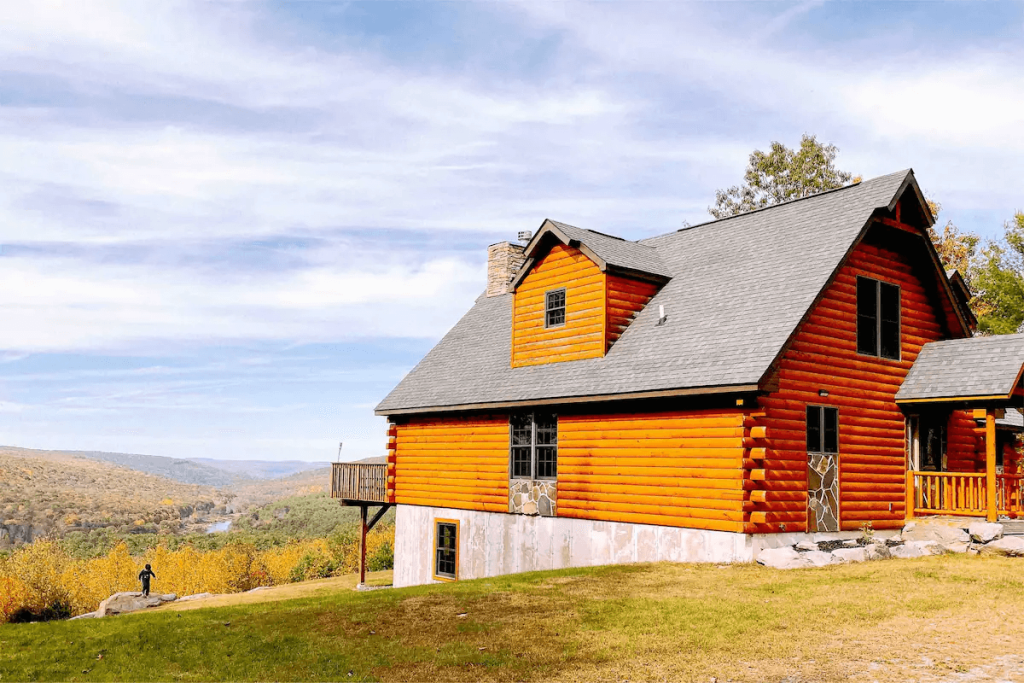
577,292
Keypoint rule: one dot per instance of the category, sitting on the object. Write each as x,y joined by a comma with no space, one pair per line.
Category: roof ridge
785,203
638,243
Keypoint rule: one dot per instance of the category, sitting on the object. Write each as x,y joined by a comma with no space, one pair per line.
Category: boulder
983,532
877,551
958,547
122,603
87,615
783,558
912,549
851,543
1010,546
807,545
851,554
196,596
938,533
818,558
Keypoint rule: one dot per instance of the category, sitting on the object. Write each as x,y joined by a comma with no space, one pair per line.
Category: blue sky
227,229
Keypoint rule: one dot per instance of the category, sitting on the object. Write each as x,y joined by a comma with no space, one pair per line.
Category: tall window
878,318
554,308
822,429
446,549
534,446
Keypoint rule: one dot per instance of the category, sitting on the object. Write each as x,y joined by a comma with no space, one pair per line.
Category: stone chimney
503,262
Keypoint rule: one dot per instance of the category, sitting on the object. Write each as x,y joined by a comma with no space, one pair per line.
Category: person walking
145,575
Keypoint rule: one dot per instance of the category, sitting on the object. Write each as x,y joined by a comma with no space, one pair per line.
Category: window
554,308
446,549
878,318
533,446
822,429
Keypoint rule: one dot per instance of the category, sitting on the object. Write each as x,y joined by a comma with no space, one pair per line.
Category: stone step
1012,527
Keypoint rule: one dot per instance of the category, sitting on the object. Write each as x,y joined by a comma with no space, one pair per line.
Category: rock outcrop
984,532
122,603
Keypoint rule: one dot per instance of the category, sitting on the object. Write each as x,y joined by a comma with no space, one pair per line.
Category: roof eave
568,400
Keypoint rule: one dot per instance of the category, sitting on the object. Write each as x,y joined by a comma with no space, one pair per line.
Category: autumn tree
998,279
781,175
956,249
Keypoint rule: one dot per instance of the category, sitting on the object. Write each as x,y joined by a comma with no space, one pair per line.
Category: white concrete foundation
496,543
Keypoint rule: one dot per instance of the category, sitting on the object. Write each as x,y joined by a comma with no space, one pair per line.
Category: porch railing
963,494
359,482
1009,494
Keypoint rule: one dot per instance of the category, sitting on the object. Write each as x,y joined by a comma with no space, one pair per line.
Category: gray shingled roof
616,251
739,288
965,368
1014,418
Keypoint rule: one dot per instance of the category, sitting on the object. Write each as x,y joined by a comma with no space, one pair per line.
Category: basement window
446,549
554,308
822,429
878,318
533,446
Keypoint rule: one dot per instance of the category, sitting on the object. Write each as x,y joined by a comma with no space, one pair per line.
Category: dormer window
554,308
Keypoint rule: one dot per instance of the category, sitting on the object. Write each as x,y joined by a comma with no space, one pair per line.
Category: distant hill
178,469
262,469
47,492
201,471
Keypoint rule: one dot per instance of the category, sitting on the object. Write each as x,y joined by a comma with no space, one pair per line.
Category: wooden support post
990,464
909,509
362,543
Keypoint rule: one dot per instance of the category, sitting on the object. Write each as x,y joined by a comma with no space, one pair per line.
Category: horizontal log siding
583,334
453,462
626,298
872,436
673,469
965,443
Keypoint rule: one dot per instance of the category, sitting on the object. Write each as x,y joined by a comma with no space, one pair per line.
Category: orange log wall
455,462
872,439
583,334
672,469
626,298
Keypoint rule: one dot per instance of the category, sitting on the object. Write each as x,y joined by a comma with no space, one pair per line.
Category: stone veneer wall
503,262
533,497
496,543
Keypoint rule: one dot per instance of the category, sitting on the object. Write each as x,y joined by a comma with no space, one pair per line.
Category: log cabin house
799,371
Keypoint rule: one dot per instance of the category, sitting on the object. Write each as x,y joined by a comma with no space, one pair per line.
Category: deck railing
963,493
359,482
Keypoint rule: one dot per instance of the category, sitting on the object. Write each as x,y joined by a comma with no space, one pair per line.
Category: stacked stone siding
532,497
503,262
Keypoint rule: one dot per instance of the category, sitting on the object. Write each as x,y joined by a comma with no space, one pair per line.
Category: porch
984,378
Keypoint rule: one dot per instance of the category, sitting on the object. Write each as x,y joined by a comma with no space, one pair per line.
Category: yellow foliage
167,501
41,574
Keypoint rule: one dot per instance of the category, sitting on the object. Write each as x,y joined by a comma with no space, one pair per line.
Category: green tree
781,175
999,280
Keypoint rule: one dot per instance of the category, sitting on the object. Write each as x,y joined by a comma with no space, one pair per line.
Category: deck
359,482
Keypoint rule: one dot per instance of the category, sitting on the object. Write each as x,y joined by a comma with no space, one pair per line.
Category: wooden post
908,511
362,543
990,464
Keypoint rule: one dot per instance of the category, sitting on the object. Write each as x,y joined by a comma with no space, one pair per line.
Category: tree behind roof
998,279
781,175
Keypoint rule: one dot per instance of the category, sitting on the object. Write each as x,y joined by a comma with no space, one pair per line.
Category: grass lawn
932,619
